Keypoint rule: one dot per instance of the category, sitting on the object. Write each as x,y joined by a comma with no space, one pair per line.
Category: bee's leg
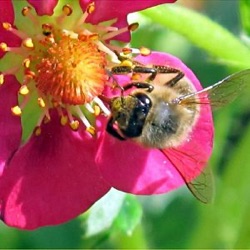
139,85
111,130
168,70
146,70
121,70
176,79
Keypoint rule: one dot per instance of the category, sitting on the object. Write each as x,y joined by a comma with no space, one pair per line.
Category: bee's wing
201,184
220,93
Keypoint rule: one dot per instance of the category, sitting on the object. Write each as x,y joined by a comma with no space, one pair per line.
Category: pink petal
51,179
7,15
43,7
10,125
142,171
111,9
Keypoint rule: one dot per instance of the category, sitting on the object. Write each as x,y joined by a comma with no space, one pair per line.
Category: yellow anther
28,43
1,79
7,26
127,51
127,63
145,51
24,90
64,120
94,37
97,110
16,110
26,63
4,47
91,130
26,10
41,102
38,131
133,26
29,74
74,125
67,10
90,8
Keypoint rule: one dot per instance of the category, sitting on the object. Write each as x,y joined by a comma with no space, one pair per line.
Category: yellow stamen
1,79
67,10
7,26
127,51
91,130
47,29
38,131
97,110
145,51
4,47
94,37
26,63
28,43
127,63
26,10
24,90
74,125
64,120
41,102
91,7
16,110
133,26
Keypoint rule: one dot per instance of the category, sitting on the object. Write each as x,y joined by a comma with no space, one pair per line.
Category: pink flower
54,168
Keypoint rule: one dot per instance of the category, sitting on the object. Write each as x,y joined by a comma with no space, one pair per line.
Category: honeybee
162,116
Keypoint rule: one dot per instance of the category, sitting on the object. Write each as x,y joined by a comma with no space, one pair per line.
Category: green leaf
203,32
130,215
104,212
231,203
245,15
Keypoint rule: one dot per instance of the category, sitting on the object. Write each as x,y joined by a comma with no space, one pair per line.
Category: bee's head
130,112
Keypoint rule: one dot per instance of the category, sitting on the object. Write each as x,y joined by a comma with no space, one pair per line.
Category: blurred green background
196,32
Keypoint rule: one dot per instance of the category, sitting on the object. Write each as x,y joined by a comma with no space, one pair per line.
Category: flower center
72,71
63,63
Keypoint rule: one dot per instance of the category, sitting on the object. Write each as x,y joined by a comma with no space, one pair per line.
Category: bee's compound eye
144,100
